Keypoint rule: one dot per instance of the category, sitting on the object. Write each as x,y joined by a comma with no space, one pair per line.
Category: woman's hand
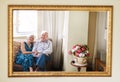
35,52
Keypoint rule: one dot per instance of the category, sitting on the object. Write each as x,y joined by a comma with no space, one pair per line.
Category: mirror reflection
76,40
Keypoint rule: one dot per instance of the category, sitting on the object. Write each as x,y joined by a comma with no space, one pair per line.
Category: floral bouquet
81,52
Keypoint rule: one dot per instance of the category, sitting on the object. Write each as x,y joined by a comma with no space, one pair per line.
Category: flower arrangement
80,51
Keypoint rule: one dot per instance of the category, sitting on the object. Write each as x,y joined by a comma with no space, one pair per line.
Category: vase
81,60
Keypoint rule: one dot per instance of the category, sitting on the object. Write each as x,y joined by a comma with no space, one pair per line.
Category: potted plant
81,53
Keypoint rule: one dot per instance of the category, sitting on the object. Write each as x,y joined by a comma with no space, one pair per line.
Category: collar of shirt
44,41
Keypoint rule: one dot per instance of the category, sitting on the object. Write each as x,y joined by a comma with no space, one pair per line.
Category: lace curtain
54,23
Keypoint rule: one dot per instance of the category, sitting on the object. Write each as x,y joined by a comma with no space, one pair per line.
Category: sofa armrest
16,48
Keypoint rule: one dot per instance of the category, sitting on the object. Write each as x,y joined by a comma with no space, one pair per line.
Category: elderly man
41,51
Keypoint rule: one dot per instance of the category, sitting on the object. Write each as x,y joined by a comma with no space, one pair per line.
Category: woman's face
31,38
44,36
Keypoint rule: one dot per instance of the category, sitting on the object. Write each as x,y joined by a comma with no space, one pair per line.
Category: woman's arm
24,50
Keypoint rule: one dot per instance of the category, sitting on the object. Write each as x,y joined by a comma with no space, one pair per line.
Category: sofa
16,67
16,47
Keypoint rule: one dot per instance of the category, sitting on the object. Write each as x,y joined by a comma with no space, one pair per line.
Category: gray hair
43,32
28,36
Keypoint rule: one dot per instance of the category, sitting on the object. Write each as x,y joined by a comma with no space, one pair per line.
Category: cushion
16,47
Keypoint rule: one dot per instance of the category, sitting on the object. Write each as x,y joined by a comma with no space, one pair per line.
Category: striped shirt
43,47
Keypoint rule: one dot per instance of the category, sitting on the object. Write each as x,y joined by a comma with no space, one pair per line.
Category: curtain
100,40
53,22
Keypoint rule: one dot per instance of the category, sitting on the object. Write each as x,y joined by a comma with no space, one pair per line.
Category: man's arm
34,50
49,49
35,46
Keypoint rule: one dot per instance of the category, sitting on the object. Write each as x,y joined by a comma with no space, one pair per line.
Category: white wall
4,41
77,33
78,27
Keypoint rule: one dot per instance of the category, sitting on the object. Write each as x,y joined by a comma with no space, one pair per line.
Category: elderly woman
24,56
42,49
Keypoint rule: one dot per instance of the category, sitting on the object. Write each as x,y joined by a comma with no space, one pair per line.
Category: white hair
28,36
43,32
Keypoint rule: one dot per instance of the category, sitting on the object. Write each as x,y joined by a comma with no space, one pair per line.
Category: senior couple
40,50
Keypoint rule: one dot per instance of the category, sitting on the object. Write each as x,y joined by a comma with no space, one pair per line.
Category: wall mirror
70,27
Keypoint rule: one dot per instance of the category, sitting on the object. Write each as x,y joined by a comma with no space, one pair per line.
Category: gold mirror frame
108,70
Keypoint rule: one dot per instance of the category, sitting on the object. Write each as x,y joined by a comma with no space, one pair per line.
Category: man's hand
35,52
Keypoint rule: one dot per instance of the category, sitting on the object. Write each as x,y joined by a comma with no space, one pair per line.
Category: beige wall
77,33
4,41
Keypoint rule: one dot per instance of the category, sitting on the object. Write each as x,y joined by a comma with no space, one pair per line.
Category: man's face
44,36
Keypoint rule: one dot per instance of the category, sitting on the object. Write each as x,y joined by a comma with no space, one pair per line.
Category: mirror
68,27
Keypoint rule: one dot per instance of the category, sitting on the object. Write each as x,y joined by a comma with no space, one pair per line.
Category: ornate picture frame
91,8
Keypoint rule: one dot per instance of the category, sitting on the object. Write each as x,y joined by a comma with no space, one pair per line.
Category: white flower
76,48
73,50
87,51
81,55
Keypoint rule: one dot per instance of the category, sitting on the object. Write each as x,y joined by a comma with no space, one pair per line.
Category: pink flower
79,45
79,51
76,54
83,49
74,47
70,52
88,54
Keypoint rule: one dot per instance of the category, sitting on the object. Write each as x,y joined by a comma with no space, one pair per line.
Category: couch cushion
16,47
17,67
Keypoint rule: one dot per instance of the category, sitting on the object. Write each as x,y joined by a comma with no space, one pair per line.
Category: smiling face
31,38
44,36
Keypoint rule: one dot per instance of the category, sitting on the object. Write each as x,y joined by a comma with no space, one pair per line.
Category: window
24,22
